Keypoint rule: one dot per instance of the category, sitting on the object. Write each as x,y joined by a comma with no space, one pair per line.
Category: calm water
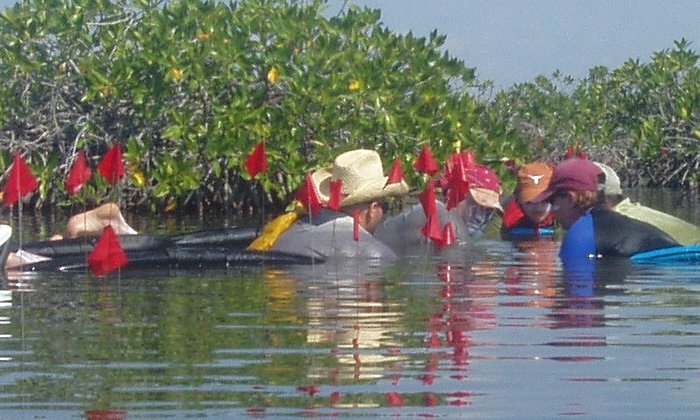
493,330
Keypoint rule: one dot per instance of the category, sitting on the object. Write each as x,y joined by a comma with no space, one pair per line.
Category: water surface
486,331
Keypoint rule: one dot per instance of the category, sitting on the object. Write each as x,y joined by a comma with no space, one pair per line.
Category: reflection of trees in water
119,340
351,312
350,336
574,291
468,296
535,273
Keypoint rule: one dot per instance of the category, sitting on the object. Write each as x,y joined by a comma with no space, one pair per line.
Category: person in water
594,231
680,230
468,217
522,217
88,223
348,232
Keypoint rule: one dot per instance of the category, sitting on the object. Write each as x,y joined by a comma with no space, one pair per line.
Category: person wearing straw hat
348,232
680,230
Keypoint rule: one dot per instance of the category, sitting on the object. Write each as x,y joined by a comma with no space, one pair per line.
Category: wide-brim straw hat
362,176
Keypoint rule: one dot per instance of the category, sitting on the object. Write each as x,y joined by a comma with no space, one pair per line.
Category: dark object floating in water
205,249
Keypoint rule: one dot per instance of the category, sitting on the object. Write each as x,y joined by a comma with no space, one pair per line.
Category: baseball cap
571,174
612,181
533,178
484,186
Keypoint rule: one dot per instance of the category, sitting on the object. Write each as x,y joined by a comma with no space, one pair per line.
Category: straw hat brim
371,190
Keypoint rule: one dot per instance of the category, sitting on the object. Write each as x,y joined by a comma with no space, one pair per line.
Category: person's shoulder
626,236
606,217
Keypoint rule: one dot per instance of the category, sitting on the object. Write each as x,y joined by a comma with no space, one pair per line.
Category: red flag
456,180
106,414
569,152
448,236
308,196
513,215
356,225
394,399
310,389
108,254
427,199
396,173
112,167
468,158
257,161
426,162
454,196
431,229
79,174
336,194
20,182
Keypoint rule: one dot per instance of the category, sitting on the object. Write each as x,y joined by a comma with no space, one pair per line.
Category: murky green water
492,331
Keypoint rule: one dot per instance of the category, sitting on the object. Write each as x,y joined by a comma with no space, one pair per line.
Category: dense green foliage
642,118
189,87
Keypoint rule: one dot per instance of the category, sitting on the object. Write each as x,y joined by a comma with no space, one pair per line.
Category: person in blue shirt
593,231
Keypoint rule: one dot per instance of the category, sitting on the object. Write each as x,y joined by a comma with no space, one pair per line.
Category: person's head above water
484,187
573,190
612,187
472,190
533,179
362,176
364,185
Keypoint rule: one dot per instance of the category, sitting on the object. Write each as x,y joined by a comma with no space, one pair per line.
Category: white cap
612,181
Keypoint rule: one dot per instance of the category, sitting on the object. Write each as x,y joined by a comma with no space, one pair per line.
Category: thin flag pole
19,218
311,222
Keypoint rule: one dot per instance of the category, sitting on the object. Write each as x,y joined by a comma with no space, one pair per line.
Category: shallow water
487,331
507,335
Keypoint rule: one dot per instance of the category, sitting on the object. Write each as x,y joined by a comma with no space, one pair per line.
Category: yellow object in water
275,228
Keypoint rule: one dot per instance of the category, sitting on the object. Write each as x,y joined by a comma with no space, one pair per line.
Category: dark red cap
571,174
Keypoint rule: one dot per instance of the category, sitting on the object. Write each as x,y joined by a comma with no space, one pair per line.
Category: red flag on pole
448,236
427,200
20,182
356,225
396,173
336,194
308,196
112,166
257,161
426,163
456,177
108,254
394,399
431,229
79,175
468,158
